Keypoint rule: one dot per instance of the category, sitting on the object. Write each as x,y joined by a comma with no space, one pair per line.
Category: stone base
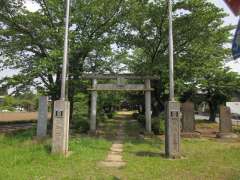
69,153
227,135
148,134
41,139
190,134
172,129
93,133
174,156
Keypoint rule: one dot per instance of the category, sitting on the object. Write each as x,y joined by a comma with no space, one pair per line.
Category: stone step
113,164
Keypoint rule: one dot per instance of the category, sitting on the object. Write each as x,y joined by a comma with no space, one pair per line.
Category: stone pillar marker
225,126
42,117
93,107
60,127
188,120
148,106
172,129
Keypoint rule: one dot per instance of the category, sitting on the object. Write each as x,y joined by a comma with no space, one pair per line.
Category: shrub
141,119
158,126
135,115
80,120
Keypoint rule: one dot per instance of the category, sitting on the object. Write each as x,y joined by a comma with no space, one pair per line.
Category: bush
158,126
80,120
141,119
81,125
135,115
110,115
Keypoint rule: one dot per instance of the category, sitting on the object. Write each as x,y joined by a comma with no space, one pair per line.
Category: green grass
203,159
21,157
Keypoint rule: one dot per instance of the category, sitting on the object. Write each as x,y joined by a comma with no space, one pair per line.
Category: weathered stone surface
148,106
225,127
188,119
120,87
225,120
93,108
172,129
115,164
60,127
114,157
42,117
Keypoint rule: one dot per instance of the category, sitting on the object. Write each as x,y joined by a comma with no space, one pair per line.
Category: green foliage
158,125
8,103
80,118
141,119
199,47
21,100
107,104
32,42
111,36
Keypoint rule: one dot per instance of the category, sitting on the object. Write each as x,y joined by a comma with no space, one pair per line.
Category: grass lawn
24,158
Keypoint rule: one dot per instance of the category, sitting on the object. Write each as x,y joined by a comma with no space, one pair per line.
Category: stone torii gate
120,86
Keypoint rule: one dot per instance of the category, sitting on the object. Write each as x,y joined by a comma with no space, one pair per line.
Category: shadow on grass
149,154
205,122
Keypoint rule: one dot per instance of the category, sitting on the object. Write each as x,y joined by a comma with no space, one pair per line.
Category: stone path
114,157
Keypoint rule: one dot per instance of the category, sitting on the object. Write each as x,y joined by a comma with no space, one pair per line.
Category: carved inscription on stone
188,120
225,120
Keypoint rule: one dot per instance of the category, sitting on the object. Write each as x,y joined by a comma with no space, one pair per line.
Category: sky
231,19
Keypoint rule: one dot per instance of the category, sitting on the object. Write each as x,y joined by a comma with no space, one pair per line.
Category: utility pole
171,71
61,115
65,56
172,116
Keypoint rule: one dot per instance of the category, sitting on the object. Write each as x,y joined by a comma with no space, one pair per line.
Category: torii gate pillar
93,108
148,112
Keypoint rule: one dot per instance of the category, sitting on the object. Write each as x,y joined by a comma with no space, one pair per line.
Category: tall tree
32,42
199,38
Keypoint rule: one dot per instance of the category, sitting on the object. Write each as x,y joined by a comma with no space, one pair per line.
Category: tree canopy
111,36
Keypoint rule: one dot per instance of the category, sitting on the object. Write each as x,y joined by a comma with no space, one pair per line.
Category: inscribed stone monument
188,120
60,127
225,126
42,117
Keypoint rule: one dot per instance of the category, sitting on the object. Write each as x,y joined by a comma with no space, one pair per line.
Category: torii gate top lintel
116,76
120,85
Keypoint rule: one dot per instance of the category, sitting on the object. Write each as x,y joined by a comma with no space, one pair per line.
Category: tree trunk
212,111
55,95
158,103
